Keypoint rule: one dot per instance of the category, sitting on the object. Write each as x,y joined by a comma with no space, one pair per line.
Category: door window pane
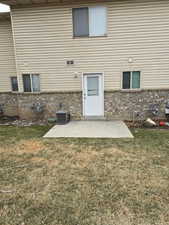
35,83
136,79
14,83
80,22
126,80
97,21
92,86
26,83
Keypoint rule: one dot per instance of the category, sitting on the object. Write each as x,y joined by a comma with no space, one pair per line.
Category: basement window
31,82
89,21
14,83
131,80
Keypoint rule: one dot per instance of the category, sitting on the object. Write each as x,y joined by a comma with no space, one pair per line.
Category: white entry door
93,95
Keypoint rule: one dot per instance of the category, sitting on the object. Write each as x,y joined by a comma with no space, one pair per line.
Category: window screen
135,79
126,80
14,83
90,21
31,82
35,83
97,21
80,22
27,83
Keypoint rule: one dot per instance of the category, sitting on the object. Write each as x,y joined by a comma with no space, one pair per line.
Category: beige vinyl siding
137,29
7,59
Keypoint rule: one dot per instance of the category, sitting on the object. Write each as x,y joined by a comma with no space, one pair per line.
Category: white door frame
83,86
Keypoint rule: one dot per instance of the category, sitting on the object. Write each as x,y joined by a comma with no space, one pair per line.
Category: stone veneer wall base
129,105
9,104
124,105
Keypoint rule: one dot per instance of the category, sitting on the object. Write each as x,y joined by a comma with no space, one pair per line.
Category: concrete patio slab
90,129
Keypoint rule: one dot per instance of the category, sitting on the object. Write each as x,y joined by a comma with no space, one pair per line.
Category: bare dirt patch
30,146
37,159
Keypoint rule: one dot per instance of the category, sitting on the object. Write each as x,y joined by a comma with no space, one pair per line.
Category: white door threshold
94,118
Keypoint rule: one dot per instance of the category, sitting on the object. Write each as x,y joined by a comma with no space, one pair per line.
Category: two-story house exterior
95,58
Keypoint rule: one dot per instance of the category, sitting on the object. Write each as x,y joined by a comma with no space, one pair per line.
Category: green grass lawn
83,181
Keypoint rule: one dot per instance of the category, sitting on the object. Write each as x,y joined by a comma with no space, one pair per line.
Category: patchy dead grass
26,146
37,159
29,146
83,181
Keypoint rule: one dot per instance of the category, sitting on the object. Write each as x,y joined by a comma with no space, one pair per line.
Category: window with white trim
131,80
31,82
89,21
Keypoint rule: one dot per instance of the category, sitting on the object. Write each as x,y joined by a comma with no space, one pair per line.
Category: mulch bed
140,124
16,121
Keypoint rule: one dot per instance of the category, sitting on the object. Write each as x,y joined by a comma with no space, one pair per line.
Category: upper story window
131,80
90,21
31,82
14,83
